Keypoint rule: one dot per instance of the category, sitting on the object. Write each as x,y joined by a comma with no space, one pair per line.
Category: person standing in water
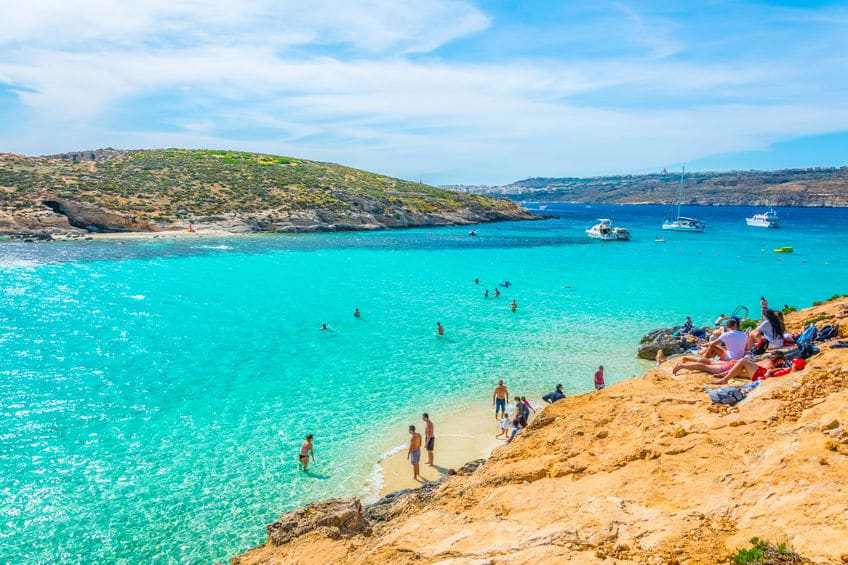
499,400
356,313
513,306
497,293
486,294
414,452
429,437
599,378
306,450
440,329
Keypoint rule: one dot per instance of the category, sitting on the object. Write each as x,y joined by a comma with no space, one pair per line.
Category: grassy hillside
169,184
790,187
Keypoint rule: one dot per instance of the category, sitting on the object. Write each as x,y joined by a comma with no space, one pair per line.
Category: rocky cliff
646,471
108,190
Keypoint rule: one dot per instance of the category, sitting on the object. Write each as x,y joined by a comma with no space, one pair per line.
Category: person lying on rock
748,369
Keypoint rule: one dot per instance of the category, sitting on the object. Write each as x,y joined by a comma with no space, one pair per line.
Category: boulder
661,339
334,518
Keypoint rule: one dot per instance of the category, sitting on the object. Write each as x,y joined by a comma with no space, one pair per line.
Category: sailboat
682,223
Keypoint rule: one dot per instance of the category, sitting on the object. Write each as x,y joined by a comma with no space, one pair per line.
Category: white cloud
81,71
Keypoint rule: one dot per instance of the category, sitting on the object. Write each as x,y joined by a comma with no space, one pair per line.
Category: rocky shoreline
67,219
645,471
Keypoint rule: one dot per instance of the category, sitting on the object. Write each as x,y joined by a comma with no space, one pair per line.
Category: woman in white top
772,329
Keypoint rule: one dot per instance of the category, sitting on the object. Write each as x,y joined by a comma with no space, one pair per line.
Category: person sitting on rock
732,344
771,329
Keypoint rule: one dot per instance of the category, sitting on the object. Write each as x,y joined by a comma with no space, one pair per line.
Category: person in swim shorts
429,437
305,451
499,400
414,452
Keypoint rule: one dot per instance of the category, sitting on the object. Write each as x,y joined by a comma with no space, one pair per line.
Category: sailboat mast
680,191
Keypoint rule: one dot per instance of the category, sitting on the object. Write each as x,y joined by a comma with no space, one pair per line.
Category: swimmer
356,313
324,327
486,294
440,329
497,293
476,281
513,306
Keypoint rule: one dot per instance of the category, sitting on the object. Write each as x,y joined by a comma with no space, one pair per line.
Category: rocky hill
645,471
790,187
108,190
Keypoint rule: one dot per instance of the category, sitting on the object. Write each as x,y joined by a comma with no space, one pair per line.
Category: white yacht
682,223
604,230
764,220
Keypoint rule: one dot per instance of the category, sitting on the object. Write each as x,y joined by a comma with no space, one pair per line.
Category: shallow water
154,392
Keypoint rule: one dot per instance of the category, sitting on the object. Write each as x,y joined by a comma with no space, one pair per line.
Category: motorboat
784,249
764,220
682,223
605,231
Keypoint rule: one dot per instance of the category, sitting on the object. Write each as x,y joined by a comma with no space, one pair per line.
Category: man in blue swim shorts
499,400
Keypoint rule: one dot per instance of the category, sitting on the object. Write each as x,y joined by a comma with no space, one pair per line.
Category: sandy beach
461,436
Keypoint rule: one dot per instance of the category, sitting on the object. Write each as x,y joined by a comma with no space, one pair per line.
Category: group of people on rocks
729,351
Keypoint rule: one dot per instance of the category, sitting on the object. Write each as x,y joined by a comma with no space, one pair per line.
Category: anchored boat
764,220
605,231
682,223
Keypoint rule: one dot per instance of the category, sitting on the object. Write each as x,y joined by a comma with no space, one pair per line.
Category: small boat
682,223
785,249
764,220
659,239
545,207
605,231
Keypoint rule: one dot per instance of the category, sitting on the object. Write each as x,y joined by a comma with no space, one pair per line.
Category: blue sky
483,92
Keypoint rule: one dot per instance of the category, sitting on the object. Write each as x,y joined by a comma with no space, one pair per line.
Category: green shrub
762,552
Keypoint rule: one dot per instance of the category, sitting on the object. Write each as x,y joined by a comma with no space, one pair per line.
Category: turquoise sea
153,393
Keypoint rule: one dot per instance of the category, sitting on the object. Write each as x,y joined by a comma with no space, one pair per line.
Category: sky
446,92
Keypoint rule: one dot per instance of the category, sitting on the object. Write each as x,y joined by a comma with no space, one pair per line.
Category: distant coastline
815,187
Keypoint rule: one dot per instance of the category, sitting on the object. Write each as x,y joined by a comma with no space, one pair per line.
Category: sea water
154,393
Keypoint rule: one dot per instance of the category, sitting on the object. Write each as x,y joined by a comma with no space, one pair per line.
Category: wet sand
461,436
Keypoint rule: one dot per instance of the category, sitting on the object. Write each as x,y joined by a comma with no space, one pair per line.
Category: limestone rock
334,518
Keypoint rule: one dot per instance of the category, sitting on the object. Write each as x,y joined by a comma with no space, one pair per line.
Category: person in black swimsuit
305,451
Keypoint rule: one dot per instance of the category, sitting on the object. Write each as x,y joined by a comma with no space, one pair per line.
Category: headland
179,190
645,471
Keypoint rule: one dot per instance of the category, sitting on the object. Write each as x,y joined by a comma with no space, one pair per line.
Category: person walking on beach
499,400
440,329
414,452
305,451
599,378
429,437
517,409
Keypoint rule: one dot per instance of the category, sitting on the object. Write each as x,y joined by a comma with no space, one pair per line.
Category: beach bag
809,334
729,395
827,332
761,347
